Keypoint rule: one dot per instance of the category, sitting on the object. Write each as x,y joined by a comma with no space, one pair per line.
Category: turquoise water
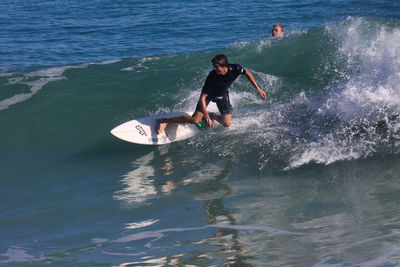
309,177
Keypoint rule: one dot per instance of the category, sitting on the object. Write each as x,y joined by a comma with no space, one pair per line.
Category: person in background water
215,89
278,30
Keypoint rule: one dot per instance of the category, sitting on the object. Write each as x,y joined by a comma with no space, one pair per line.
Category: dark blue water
40,33
309,177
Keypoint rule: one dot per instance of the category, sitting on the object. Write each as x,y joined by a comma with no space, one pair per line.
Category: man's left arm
253,82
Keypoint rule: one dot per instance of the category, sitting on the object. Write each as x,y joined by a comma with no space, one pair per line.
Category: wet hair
280,26
220,59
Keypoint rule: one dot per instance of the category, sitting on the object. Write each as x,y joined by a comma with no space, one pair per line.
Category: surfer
278,30
215,89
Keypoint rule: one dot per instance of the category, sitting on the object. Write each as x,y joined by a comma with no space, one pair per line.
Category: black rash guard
216,86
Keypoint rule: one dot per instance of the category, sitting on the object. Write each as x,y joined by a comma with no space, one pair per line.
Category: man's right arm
204,93
203,104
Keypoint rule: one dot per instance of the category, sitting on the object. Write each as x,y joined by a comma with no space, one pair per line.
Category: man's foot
215,123
161,126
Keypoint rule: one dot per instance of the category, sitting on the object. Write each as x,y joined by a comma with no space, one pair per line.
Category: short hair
280,26
220,59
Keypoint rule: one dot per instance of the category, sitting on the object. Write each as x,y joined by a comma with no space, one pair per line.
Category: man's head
278,30
220,64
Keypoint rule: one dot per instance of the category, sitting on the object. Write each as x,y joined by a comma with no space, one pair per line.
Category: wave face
333,93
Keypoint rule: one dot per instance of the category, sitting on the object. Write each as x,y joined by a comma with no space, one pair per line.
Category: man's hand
262,94
208,121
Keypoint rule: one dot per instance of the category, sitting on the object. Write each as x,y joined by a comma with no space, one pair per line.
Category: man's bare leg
225,119
195,118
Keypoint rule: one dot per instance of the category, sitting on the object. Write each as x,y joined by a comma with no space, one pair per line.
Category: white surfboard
143,130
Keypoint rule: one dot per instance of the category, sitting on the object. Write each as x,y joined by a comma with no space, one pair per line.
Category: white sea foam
43,77
34,88
135,225
139,67
377,55
370,95
156,235
18,254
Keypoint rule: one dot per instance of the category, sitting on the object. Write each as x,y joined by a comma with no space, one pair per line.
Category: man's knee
196,120
226,123
196,117
226,120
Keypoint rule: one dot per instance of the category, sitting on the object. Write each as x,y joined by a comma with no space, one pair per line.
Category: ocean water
309,177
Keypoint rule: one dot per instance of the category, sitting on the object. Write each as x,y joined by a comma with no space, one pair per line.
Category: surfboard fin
201,124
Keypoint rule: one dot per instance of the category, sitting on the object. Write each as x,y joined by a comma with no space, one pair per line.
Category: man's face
219,69
277,32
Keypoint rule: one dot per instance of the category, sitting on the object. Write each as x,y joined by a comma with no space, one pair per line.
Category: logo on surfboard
141,130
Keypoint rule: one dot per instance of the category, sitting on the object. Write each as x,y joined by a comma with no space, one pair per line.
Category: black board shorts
223,104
